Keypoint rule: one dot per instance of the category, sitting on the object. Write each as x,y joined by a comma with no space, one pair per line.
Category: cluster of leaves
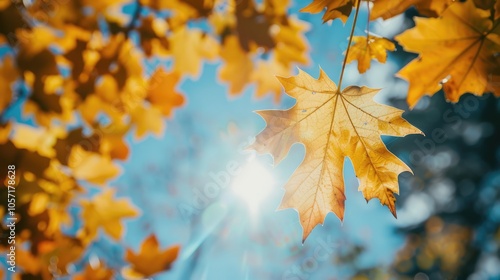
80,69
333,123
81,72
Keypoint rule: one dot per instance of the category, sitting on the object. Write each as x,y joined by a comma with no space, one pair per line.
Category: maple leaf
334,9
390,8
264,76
92,167
471,41
161,91
488,5
291,44
333,125
189,47
152,34
237,66
147,120
97,272
150,260
365,49
112,140
105,212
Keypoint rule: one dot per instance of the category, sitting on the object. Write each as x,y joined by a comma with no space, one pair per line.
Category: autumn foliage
87,73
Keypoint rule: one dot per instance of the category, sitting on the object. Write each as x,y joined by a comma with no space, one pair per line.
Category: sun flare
253,184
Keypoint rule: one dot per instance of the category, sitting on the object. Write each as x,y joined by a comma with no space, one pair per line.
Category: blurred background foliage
107,190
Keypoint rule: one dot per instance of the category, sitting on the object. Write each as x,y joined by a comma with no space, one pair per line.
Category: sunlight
253,184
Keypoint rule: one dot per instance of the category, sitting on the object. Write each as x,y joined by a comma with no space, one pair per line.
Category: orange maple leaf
456,51
162,93
150,260
105,212
365,48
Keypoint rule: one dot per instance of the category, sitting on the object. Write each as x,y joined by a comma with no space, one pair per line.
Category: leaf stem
349,45
368,21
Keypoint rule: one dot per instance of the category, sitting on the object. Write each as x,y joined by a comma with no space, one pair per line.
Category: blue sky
225,241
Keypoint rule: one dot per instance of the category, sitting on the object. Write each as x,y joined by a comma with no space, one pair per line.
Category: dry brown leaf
456,51
364,49
333,125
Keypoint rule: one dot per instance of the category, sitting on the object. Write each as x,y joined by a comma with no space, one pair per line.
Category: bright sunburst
253,184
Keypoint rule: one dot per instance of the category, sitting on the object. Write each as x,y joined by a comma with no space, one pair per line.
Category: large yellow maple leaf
456,51
332,125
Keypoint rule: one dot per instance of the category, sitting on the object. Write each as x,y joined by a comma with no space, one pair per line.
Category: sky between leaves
80,74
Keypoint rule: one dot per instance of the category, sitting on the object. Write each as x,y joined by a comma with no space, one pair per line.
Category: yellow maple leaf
364,49
112,140
103,211
333,125
92,167
189,47
36,139
237,66
150,260
264,76
162,93
456,51
291,44
390,8
147,120
95,271
334,9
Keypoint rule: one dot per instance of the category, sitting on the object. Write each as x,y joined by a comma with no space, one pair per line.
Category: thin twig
368,21
349,45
